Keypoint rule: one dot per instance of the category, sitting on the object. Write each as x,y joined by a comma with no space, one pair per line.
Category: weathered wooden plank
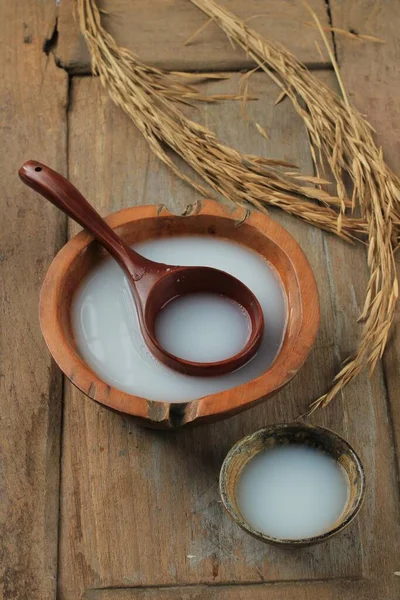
33,97
371,74
156,31
141,508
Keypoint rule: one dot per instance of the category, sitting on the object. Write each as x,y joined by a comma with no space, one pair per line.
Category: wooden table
91,506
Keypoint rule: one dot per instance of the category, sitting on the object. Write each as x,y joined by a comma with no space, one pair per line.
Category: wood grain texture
33,96
141,508
371,74
156,31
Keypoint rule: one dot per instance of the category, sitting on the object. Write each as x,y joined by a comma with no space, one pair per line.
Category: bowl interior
135,232
259,233
277,435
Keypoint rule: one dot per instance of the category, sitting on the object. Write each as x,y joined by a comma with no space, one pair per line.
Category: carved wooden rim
53,321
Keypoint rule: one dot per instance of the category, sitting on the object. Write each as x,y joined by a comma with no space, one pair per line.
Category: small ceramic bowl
297,433
255,231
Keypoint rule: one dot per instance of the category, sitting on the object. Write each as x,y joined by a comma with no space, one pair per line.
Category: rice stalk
341,138
150,96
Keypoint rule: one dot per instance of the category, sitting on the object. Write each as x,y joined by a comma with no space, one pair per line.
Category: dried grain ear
149,96
340,137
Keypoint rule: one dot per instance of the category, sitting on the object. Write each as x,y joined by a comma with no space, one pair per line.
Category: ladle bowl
153,284
192,280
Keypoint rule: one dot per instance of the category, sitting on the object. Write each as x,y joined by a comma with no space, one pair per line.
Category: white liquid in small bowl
108,337
292,492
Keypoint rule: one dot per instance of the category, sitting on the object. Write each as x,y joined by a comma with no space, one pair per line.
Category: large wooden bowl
256,231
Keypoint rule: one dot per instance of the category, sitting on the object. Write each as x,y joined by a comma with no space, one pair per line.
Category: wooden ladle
153,284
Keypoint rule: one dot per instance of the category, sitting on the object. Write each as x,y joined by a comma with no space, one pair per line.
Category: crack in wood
50,42
92,593
330,20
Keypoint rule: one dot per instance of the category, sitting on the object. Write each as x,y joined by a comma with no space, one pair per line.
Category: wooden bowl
254,230
296,433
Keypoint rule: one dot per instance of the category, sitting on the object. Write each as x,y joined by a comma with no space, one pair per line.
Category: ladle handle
60,192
